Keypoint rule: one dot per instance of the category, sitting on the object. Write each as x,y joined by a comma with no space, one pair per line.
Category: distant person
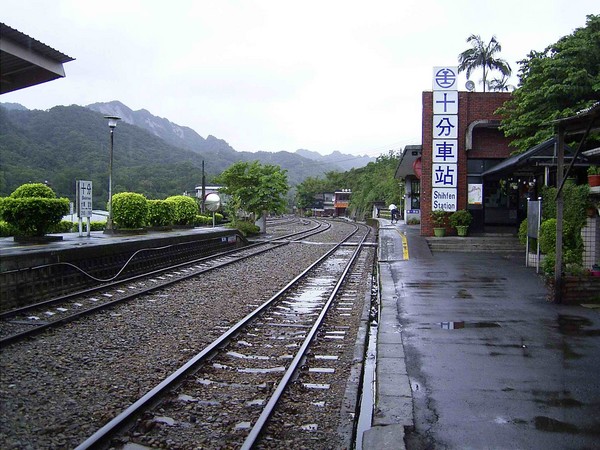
393,211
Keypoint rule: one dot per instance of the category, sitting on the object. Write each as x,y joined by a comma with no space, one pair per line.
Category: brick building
481,145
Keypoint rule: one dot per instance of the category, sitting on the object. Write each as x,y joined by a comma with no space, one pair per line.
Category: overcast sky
277,75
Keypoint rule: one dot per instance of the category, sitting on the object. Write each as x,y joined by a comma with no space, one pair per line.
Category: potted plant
461,220
438,217
594,176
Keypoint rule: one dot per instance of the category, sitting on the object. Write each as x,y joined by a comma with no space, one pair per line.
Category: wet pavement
489,362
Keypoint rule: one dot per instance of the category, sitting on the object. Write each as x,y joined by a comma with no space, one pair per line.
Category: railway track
227,395
25,322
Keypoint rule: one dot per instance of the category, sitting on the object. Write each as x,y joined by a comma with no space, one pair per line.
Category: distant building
341,201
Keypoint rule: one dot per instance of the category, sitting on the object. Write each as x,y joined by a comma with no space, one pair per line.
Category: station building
464,161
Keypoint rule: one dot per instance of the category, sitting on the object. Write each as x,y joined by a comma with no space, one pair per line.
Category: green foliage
258,188
160,213
554,83
593,170
95,226
459,218
64,226
33,216
246,228
438,217
522,234
202,220
548,236
129,210
373,183
30,190
6,229
482,55
186,209
575,203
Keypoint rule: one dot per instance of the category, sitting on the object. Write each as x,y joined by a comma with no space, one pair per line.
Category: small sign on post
84,204
534,221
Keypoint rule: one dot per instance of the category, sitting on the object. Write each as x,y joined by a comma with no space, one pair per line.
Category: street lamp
112,123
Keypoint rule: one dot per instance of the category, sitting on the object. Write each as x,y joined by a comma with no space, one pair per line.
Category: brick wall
487,143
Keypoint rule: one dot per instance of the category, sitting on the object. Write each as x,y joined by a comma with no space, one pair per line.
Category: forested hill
67,143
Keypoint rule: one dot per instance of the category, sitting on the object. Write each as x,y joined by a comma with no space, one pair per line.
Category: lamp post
112,123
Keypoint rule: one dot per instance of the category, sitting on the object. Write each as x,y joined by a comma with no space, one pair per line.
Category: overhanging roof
405,166
26,62
588,119
544,154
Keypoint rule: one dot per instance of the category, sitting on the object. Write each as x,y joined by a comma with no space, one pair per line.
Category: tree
372,183
259,188
555,83
500,84
482,55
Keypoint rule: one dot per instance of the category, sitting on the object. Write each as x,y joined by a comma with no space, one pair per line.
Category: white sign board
444,175
84,198
444,152
444,199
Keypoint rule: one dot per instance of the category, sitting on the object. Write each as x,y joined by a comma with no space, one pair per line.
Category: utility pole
203,206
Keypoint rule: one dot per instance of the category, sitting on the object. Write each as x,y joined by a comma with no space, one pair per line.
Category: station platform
64,262
472,353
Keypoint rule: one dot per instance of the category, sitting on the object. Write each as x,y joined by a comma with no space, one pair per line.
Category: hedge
129,210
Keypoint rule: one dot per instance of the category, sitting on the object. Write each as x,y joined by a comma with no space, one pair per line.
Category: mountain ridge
66,143
188,138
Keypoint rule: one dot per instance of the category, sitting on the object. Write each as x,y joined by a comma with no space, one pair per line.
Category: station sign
84,198
444,170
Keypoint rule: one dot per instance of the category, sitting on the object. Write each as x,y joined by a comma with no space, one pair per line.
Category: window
415,197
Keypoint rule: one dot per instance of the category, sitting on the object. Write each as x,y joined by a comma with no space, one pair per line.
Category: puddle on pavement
461,325
576,326
463,293
544,423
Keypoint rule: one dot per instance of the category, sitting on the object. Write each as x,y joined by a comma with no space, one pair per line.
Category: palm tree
482,55
500,84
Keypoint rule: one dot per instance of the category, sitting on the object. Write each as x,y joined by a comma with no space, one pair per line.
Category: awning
407,160
26,62
531,161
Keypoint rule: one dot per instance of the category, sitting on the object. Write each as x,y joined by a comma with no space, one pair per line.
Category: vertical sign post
84,204
444,170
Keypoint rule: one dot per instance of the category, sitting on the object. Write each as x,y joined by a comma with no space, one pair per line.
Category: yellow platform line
404,245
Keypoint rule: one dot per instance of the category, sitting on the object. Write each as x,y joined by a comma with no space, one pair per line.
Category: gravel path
60,387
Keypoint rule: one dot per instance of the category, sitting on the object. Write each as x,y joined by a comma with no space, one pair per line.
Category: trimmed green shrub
460,218
201,220
439,217
30,190
186,209
6,229
548,236
33,209
160,213
129,210
96,226
246,228
523,232
64,226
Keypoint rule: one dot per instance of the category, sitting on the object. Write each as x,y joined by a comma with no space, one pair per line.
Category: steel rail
101,437
66,297
264,417
16,337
